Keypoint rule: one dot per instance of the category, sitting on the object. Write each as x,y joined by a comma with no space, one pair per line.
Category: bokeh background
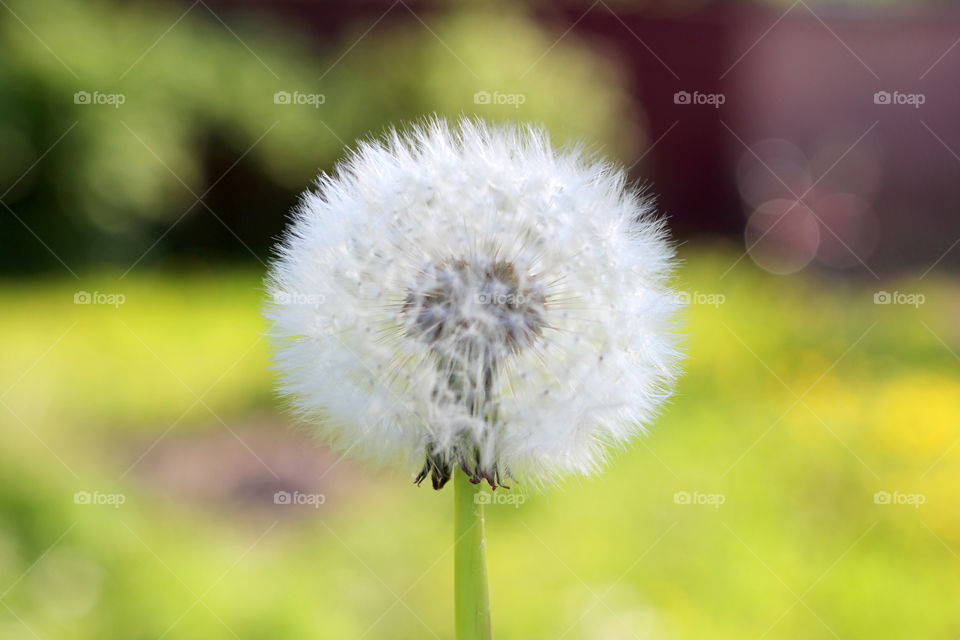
803,483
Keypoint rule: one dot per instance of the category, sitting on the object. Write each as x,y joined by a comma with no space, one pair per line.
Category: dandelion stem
471,600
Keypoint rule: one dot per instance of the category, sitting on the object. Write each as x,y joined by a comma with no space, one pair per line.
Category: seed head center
475,305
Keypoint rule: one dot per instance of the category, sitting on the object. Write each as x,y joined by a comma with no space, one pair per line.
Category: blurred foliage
91,387
197,91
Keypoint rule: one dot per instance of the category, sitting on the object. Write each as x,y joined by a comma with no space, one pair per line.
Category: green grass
797,549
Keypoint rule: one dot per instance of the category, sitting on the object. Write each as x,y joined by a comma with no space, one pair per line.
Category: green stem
471,600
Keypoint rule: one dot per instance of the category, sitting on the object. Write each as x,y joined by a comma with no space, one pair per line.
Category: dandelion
485,307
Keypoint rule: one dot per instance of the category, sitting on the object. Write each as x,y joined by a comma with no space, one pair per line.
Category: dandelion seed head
490,303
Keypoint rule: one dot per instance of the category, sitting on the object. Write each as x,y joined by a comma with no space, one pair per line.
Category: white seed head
488,302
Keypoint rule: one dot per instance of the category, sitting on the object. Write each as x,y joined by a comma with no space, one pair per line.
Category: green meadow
802,483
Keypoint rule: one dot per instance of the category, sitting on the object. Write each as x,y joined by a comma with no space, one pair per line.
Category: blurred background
802,484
